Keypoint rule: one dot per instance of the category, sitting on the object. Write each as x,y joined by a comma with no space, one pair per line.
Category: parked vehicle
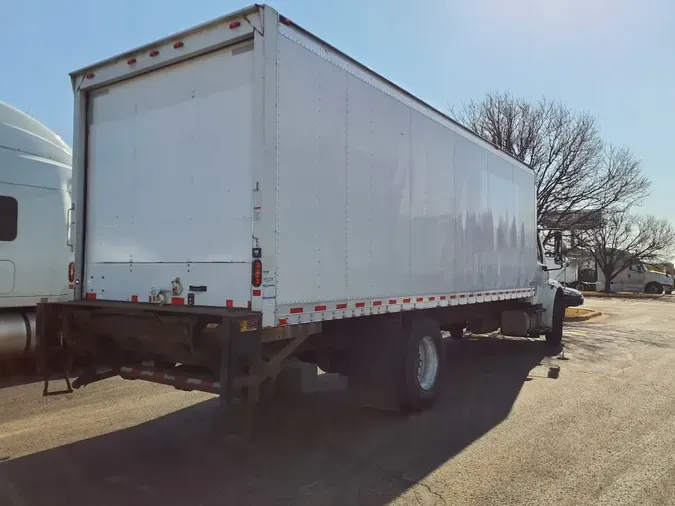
666,268
566,276
35,254
248,193
573,298
637,277
588,277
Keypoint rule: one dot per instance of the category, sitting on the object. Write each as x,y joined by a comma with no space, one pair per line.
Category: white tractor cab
36,251
637,277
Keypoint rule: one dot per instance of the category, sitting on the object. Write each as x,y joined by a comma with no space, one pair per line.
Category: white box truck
246,193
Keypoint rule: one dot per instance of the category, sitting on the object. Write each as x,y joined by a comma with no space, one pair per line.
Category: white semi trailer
246,193
35,251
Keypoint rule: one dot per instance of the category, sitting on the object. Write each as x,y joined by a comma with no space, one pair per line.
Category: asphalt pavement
504,433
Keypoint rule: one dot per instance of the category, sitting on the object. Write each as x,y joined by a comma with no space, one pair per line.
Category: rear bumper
189,347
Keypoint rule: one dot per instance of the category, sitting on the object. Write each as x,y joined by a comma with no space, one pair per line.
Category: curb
588,315
619,295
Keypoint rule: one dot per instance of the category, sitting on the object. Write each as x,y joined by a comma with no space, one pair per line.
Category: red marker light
285,20
234,24
71,272
89,76
131,61
178,45
257,273
154,53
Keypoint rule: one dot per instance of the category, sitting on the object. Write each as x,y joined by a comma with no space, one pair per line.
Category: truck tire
555,335
579,286
423,361
398,366
654,288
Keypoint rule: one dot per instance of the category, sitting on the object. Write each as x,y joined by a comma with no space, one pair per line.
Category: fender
546,295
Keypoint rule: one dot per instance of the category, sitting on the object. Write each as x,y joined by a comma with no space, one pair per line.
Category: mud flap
241,354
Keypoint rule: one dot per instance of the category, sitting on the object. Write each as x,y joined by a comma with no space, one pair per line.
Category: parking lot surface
504,432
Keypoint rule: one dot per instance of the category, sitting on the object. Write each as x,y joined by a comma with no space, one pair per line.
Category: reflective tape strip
169,379
339,310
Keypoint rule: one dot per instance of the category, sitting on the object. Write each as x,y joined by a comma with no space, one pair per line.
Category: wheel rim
427,367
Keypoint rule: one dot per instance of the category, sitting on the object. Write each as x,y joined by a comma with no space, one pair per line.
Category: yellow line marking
578,333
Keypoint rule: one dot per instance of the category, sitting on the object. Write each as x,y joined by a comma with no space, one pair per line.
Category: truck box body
250,133
246,194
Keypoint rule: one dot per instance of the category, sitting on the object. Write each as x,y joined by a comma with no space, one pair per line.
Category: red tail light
257,273
71,272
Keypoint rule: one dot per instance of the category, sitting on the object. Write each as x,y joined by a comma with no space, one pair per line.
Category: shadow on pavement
317,449
597,343
23,371
16,372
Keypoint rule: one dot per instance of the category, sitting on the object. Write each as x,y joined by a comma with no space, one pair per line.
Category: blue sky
613,58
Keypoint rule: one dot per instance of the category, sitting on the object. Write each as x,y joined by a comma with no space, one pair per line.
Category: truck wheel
654,288
423,364
555,335
397,366
579,286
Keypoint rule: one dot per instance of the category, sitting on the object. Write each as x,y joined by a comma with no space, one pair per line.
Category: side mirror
558,248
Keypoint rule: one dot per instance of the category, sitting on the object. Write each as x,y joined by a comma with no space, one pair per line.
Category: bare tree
578,175
624,239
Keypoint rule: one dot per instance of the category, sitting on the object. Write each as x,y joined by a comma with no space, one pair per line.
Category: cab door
635,278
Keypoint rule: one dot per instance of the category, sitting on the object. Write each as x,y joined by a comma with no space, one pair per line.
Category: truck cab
637,277
36,251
